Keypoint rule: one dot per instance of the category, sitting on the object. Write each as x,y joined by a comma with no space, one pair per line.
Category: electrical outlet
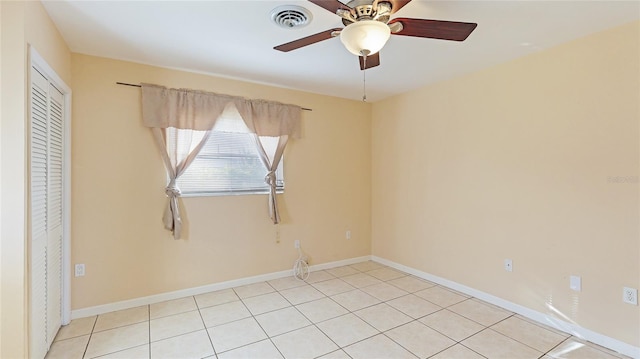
347,235
296,243
575,283
630,295
508,265
79,270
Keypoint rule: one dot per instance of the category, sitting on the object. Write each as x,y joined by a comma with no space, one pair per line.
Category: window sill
221,194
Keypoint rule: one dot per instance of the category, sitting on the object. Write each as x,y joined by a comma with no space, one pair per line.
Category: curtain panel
191,111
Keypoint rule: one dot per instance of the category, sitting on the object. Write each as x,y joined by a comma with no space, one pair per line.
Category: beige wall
515,162
510,162
118,191
22,23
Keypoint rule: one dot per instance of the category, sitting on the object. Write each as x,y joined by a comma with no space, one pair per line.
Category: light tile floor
365,310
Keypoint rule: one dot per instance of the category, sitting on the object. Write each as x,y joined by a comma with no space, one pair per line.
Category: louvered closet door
54,215
39,233
46,212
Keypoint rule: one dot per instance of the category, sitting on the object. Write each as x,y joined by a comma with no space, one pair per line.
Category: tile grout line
325,334
518,341
413,319
102,331
316,324
472,349
455,340
540,325
257,322
356,315
90,335
310,321
559,344
149,314
510,338
205,327
185,333
260,325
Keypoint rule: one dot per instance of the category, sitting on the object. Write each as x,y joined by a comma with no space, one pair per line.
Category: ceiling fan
368,25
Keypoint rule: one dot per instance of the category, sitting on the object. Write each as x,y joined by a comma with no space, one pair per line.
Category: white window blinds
228,163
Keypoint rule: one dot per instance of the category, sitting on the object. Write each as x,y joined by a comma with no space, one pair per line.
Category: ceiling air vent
290,16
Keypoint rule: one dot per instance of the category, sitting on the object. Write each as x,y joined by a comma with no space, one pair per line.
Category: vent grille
290,16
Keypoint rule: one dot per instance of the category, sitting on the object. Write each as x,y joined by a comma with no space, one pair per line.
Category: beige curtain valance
198,110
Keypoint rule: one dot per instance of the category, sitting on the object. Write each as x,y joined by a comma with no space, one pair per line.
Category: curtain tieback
172,191
270,178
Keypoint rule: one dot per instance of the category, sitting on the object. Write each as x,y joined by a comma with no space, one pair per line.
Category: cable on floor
301,266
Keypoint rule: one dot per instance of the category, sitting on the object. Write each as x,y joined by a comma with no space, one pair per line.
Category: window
229,162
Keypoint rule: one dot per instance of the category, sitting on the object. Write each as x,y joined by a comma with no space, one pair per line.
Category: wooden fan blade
296,44
372,61
330,5
396,4
435,29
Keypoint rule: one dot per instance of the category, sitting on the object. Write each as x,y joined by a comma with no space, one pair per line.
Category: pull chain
364,79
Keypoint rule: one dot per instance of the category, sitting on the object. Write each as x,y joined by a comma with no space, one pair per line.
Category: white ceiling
236,39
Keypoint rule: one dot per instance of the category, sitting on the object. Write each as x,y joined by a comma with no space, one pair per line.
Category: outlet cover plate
79,270
630,295
575,283
508,265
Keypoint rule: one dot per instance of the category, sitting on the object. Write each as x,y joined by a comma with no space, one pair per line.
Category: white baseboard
569,328
156,298
344,262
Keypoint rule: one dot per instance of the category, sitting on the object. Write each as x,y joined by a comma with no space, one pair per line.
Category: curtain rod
134,85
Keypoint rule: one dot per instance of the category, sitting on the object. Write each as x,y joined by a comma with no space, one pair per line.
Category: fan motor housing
368,11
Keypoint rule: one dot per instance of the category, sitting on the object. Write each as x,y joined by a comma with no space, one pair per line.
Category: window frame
232,192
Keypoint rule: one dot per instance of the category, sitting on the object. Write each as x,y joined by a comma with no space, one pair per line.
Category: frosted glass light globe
365,37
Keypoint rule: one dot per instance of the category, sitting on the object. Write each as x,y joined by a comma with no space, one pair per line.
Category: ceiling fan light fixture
365,37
